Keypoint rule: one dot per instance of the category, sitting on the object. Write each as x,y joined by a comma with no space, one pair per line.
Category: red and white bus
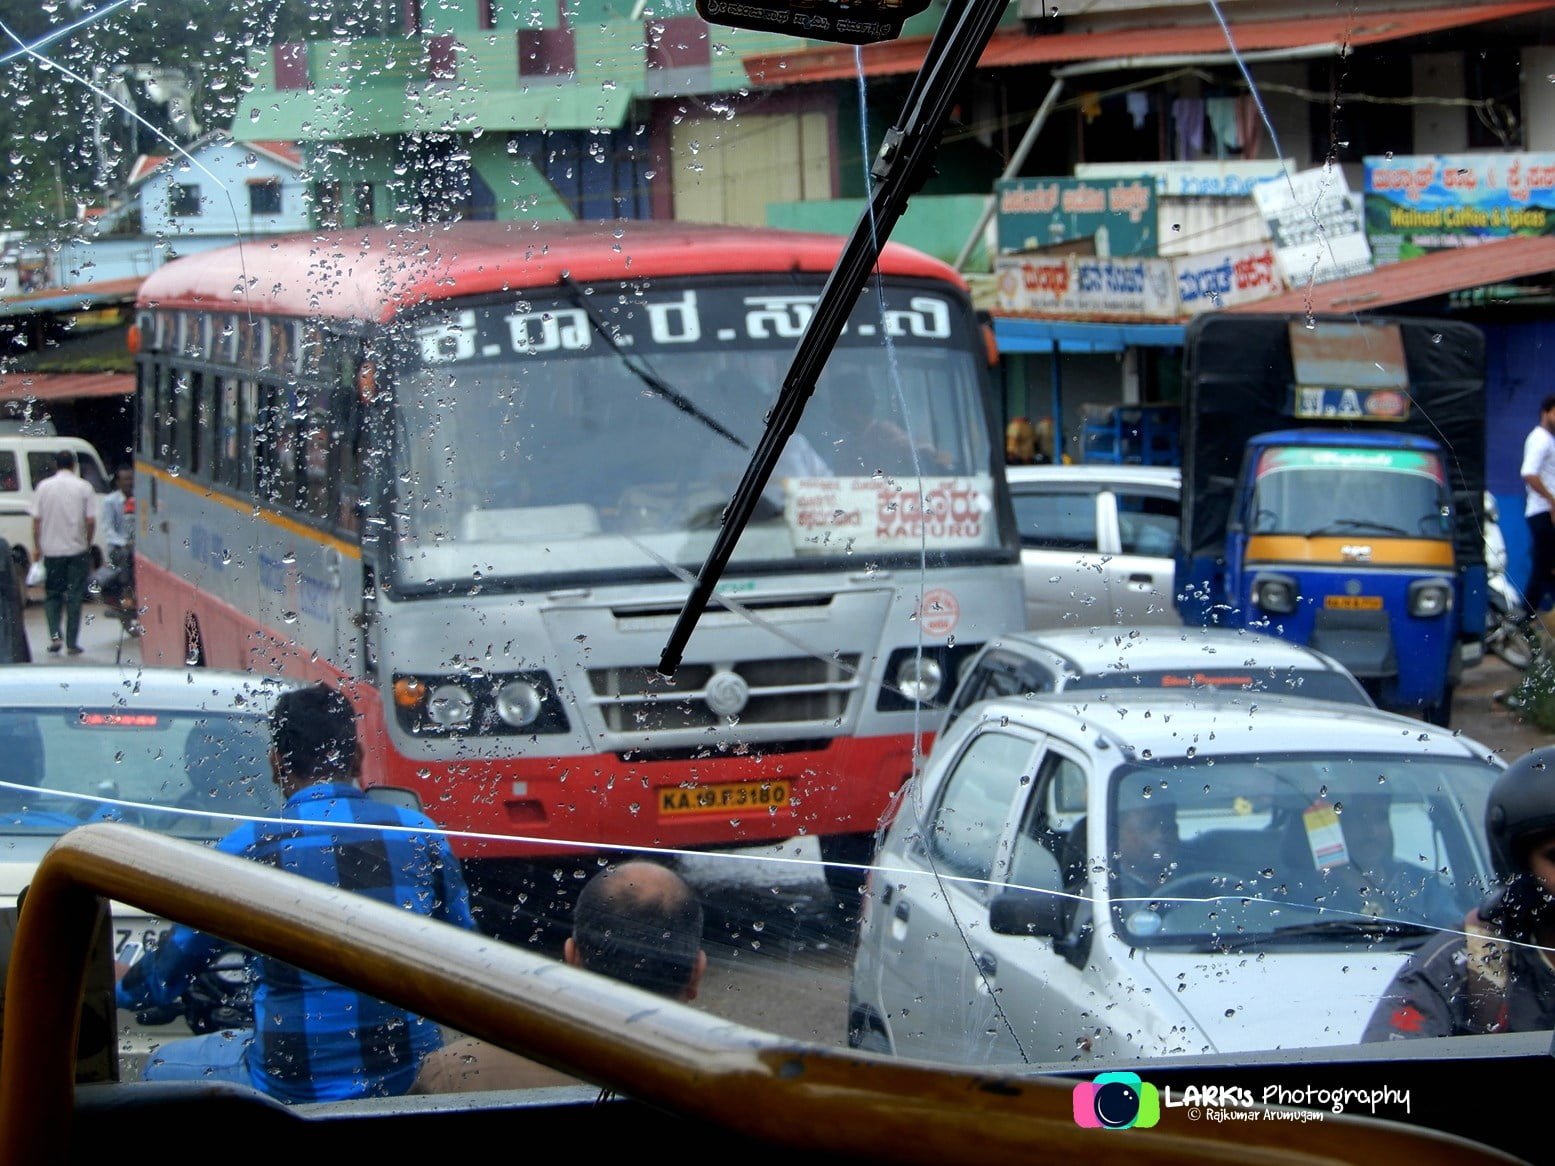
469,469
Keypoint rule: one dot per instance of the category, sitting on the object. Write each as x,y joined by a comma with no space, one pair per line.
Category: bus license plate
712,799
1353,602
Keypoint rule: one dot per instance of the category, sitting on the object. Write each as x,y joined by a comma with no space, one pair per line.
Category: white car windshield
177,773
1304,849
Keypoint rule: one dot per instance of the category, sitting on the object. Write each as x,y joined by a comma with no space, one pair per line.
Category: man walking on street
119,538
64,521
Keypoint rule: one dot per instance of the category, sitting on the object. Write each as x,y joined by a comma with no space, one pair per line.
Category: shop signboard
1207,179
1110,217
1221,279
1316,225
1087,288
1419,203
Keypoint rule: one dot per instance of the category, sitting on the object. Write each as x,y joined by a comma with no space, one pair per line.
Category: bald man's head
640,923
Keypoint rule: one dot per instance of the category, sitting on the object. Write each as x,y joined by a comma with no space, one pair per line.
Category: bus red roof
373,273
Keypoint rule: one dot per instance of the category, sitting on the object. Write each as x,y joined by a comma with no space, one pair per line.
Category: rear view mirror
393,795
848,22
1029,913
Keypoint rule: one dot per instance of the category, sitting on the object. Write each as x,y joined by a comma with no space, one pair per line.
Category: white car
1075,660
173,750
1097,543
1030,903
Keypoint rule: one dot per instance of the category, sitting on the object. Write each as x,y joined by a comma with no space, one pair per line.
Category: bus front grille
791,690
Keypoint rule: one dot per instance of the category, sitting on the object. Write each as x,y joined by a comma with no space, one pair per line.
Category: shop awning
1431,275
1021,334
1138,45
61,386
82,298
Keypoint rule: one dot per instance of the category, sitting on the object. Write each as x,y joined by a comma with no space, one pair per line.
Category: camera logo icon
1116,1101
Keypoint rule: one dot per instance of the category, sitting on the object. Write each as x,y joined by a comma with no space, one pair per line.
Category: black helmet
1522,804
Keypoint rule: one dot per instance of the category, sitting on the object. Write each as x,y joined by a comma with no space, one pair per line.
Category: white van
24,462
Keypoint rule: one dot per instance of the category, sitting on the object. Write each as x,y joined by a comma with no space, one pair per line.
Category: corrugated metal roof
1419,279
80,298
1016,47
61,386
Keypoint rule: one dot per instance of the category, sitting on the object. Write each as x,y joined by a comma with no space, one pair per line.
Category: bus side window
9,483
346,448
145,400
315,485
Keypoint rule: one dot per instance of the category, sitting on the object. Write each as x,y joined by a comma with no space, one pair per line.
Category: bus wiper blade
899,169
645,374
1323,928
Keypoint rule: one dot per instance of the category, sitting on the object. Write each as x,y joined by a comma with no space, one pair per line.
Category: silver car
1097,543
1074,660
173,750
1206,872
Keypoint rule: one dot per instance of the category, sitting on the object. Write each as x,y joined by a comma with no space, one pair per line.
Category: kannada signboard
1417,204
1316,225
1219,279
1117,214
1085,288
1082,288
1206,179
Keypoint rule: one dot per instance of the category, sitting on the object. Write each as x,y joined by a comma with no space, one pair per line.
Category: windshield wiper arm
1329,928
1356,524
642,372
899,169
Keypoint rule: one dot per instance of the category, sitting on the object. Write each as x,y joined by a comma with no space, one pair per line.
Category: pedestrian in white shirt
64,521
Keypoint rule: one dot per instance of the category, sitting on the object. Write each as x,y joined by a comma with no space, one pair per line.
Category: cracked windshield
529,462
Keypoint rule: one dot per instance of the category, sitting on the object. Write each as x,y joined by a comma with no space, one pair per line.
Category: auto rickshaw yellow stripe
1389,552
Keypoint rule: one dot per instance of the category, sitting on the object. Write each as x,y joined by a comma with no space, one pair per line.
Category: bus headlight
518,703
450,706
1275,594
506,704
918,678
1429,598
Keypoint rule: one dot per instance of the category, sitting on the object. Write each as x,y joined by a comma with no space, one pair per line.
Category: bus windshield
604,433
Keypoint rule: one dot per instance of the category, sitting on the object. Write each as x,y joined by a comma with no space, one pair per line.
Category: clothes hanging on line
1249,120
1188,116
1221,114
1138,105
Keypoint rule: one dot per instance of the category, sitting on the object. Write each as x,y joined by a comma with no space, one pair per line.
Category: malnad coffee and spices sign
1419,203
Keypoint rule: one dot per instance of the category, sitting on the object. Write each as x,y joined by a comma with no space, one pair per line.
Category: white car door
1063,564
934,886
1033,998
1139,528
